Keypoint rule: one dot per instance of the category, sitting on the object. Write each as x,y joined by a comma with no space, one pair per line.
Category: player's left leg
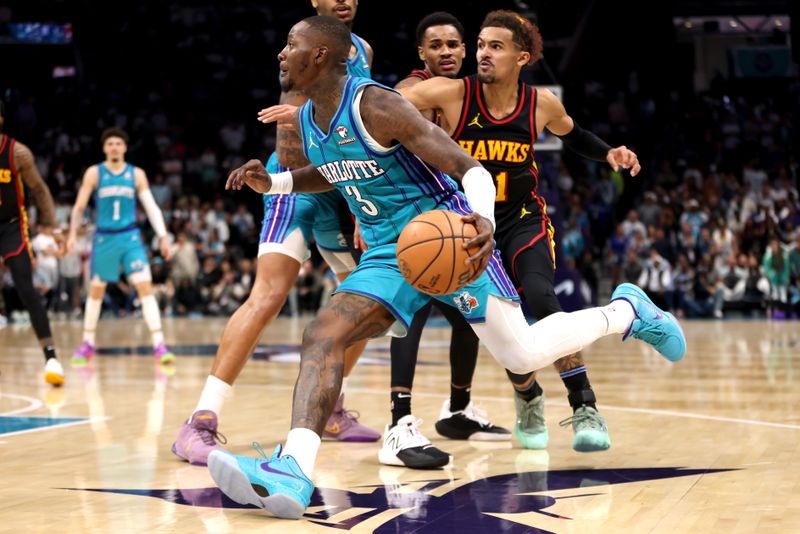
329,235
534,269
137,272
282,483
459,418
22,274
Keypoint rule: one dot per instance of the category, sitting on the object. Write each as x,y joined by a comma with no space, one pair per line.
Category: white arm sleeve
154,214
480,192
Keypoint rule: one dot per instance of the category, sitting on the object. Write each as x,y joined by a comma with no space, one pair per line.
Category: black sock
401,405
580,391
459,397
49,352
533,391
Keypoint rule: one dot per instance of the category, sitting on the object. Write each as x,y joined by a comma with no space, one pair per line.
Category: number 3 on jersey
367,206
501,182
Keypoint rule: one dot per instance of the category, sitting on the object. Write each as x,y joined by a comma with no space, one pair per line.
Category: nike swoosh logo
333,429
265,466
402,396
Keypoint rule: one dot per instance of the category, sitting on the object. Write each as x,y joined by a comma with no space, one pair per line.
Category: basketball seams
437,259
453,260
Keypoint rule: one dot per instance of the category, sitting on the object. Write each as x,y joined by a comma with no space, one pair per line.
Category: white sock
302,444
90,316
619,314
344,385
152,316
214,394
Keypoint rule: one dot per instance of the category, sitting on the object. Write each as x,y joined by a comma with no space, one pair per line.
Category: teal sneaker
652,325
530,427
591,433
276,484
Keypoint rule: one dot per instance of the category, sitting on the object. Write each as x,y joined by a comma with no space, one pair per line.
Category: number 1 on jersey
116,210
501,181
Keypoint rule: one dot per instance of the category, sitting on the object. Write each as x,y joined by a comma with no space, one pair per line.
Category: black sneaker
469,423
405,446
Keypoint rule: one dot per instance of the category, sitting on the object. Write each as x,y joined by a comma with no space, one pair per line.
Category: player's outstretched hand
70,243
165,248
251,173
484,240
625,158
277,113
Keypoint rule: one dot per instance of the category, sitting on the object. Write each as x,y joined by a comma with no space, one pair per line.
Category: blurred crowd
711,226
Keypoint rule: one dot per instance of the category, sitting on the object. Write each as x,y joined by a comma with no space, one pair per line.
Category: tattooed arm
288,144
348,318
26,167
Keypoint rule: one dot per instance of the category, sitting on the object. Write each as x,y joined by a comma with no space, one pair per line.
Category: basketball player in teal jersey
117,241
494,109
17,170
289,223
368,141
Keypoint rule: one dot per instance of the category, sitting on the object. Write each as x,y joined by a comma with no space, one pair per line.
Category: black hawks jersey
505,148
12,193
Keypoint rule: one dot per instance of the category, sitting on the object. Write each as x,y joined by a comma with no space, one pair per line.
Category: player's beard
487,77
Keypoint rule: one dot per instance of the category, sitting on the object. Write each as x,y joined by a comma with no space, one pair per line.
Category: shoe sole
389,458
532,444
54,379
234,483
603,443
353,439
186,459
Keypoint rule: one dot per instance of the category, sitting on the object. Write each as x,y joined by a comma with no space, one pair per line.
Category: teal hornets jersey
115,199
384,188
358,65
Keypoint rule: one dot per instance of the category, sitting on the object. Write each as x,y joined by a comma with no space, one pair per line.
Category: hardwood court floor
710,444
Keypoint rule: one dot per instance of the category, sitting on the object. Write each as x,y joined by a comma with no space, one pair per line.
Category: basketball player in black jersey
496,118
440,45
17,170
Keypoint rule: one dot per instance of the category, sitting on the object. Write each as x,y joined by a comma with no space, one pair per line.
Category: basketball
430,252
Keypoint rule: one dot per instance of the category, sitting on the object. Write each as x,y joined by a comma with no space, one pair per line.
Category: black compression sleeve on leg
22,273
586,143
404,350
463,346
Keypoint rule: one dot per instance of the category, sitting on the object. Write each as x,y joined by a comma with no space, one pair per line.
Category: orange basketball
430,252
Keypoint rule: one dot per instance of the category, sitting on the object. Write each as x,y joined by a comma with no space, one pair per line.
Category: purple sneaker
197,438
83,355
343,425
163,355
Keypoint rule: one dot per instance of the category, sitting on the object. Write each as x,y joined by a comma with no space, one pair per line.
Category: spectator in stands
776,268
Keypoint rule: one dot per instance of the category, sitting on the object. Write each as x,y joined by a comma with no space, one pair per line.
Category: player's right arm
439,92
88,185
389,118
288,144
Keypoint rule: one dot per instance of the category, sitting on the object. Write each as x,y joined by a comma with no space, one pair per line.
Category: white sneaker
404,445
53,372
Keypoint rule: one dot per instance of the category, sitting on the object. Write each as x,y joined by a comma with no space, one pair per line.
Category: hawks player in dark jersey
17,170
440,45
496,118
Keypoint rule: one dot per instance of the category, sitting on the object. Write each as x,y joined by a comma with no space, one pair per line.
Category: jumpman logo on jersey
474,122
311,141
525,212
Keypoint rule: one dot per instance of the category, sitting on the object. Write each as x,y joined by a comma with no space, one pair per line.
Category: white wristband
480,192
281,183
